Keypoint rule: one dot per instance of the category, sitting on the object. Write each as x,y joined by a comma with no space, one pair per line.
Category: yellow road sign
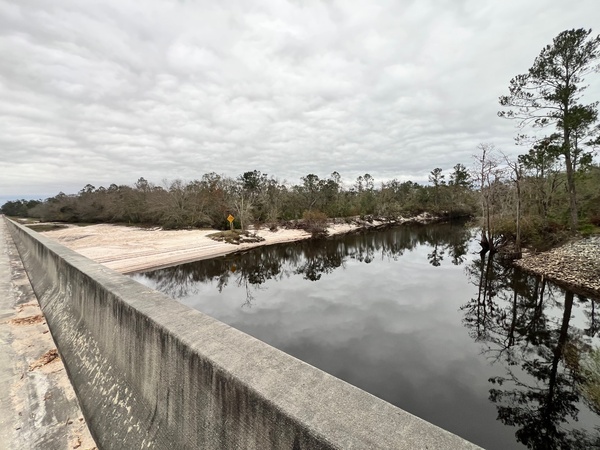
230,218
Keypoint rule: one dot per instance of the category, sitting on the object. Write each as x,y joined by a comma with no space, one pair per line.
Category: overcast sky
109,91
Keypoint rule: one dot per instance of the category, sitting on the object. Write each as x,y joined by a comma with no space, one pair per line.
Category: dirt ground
131,249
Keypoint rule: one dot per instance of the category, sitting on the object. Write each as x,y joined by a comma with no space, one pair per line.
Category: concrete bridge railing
150,372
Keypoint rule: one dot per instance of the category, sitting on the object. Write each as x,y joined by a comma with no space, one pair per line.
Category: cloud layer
109,91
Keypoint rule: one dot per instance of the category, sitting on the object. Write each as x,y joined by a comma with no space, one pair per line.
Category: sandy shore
132,249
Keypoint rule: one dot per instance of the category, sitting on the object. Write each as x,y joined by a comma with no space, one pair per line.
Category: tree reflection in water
537,338
311,259
514,316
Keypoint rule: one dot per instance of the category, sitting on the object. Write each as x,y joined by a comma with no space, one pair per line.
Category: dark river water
416,317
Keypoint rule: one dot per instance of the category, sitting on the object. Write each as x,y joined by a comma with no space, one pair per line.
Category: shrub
595,220
315,222
534,233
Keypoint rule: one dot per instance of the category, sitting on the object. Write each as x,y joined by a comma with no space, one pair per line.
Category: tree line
489,189
252,198
560,132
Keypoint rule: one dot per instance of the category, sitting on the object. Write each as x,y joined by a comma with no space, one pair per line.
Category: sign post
230,218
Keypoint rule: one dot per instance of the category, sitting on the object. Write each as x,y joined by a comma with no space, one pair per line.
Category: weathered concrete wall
151,372
38,406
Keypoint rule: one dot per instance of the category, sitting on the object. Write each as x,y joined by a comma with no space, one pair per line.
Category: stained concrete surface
38,407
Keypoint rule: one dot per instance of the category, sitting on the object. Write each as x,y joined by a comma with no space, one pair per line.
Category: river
416,317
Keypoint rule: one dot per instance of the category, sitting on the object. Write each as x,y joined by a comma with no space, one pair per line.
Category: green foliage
589,229
436,178
235,237
549,94
460,178
252,198
535,233
19,208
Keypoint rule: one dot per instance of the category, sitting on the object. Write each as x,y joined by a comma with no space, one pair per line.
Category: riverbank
132,249
129,249
575,265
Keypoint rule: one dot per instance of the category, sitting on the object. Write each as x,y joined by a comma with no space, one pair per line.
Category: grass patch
589,229
235,237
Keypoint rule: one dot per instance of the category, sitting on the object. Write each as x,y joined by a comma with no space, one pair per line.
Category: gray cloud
108,91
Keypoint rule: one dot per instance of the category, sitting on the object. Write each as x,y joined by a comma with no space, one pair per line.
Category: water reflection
311,259
415,316
526,326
